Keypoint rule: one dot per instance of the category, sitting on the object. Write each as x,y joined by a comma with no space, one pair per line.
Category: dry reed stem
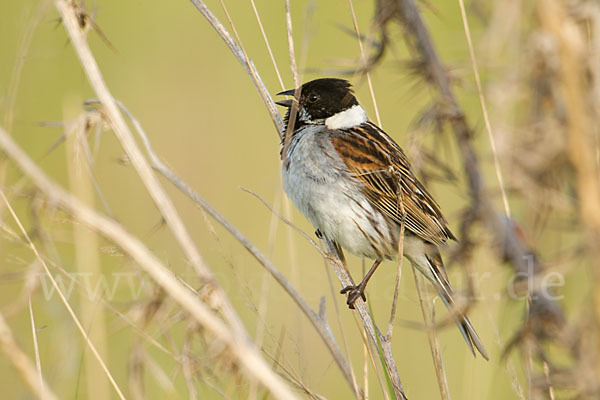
23,364
161,200
290,40
370,357
287,222
33,248
366,368
293,111
239,344
87,259
425,301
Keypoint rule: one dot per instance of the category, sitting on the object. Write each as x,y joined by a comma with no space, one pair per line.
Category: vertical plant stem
434,344
86,256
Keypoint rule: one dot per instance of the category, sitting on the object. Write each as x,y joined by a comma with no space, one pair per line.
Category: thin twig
287,222
246,63
36,349
486,118
15,81
369,352
364,62
434,345
22,363
264,35
388,334
290,38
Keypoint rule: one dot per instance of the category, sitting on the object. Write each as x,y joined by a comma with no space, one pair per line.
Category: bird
357,187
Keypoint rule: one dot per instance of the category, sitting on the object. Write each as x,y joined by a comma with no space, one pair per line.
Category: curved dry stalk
163,202
318,320
246,63
264,35
237,342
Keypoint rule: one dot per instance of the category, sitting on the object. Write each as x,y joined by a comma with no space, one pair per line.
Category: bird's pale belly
342,213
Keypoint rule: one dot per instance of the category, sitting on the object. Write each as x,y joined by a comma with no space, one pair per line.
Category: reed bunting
354,183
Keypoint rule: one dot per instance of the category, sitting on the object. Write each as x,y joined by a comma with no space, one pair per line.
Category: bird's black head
320,99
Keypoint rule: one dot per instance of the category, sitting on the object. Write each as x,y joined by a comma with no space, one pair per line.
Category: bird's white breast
319,185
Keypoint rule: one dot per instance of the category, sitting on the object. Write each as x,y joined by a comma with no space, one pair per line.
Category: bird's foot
354,292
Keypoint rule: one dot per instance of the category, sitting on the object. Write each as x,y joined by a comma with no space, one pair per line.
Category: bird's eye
313,98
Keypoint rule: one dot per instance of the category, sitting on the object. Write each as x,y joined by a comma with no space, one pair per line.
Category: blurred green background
205,119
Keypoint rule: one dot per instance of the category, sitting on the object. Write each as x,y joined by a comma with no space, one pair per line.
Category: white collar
353,116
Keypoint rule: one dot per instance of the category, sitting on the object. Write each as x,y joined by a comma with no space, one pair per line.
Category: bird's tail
431,265
465,327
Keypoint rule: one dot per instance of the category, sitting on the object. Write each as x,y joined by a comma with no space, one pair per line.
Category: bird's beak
286,103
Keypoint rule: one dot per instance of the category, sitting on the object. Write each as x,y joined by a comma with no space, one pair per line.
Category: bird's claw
354,292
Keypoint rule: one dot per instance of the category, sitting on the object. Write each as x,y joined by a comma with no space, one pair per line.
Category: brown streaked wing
381,165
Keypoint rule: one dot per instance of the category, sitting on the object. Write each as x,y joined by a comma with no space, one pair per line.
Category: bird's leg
354,292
